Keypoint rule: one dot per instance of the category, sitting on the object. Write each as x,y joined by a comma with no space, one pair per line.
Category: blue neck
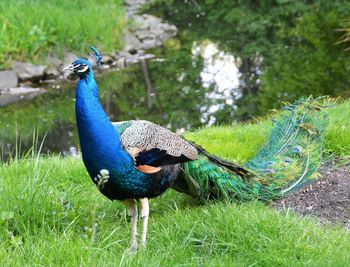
99,141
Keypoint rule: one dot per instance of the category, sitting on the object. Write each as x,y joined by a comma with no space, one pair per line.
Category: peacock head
83,67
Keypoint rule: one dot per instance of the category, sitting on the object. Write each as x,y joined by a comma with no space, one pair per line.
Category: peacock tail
287,161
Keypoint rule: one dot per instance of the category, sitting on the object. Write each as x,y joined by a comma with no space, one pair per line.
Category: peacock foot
133,248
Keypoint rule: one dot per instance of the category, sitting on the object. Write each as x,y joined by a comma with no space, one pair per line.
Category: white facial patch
84,69
102,178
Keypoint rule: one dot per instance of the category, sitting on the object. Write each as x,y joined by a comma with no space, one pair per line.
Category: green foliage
288,49
243,27
32,29
51,214
316,65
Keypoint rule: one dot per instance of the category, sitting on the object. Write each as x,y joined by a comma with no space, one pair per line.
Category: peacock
133,161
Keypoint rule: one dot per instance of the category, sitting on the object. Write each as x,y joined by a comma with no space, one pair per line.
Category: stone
149,44
12,95
52,73
145,34
132,60
53,61
68,75
171,28
147,56
131,42
67,60
147,31
140,23
28,71
107,59
133,6
120,63
102,67
122,53
8,79
152,20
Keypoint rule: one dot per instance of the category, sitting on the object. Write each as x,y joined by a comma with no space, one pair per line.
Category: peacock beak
69,67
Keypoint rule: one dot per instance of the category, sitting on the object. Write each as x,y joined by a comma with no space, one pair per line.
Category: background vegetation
287,48
30,30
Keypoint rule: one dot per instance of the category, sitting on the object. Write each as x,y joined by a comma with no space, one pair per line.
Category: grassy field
30,30
52,215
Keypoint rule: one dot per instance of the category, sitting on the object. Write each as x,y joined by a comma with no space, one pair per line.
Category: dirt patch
327,198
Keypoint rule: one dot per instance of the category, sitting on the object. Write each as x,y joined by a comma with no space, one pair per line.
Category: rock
132,43
8,79
28,71
149,44
52,73
123,58
120,63
67,60
140,23
170,28
53,61
107,59
12,95
145,34
132,60
147,56
133,6
152,21
122,53
102,67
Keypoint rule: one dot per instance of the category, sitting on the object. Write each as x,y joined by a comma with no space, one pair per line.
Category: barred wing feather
153,145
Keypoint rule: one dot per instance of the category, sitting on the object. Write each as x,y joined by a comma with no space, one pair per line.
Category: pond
187,86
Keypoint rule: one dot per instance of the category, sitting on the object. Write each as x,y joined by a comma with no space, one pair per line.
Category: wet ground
328,198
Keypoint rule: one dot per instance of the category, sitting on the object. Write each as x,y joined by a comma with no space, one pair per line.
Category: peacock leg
144,214
132,209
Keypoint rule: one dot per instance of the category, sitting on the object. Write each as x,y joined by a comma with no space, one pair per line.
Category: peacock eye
82,68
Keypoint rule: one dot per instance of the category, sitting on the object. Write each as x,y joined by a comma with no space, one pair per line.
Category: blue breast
101,149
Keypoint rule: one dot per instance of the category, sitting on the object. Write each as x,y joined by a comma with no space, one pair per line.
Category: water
182,94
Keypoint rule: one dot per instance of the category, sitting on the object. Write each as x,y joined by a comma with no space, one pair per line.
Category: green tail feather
287,161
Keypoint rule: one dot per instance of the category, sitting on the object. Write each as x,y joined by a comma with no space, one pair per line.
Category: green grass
52,215
30,30
337,138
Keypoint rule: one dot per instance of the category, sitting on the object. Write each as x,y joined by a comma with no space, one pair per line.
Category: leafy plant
33,29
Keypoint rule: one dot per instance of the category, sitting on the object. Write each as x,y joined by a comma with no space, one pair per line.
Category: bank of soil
327,198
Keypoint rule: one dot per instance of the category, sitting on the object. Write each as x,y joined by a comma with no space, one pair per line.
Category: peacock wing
153,146
121,126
